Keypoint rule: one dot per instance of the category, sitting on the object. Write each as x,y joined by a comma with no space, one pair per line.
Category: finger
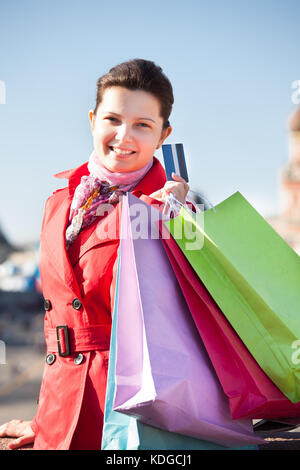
22,441
15,443
168,190
174,184
177,177
3,429
157,193
176,190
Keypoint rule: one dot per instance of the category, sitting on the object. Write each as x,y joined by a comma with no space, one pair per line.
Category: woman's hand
20,429
178,187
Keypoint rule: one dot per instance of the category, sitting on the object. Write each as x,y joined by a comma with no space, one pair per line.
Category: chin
120,167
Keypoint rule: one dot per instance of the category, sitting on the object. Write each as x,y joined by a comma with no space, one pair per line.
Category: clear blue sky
231,62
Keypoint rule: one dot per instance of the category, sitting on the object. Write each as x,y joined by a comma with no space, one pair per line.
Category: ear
92,119
164,134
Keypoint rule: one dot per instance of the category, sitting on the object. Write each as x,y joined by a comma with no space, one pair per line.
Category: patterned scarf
99,187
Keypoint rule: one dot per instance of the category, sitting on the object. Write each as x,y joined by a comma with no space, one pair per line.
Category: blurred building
19,271
287,223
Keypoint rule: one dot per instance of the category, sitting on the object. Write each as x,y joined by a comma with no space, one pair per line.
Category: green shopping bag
254,276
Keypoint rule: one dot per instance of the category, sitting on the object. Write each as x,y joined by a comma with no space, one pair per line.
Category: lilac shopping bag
163,375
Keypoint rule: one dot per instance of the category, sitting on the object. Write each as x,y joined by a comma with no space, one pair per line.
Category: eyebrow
138,118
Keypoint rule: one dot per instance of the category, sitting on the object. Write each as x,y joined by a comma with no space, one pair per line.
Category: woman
77,265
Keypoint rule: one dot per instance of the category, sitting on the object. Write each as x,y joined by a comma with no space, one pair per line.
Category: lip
120,154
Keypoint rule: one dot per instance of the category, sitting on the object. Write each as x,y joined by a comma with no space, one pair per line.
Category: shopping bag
250,392
163,374
122,432
254,277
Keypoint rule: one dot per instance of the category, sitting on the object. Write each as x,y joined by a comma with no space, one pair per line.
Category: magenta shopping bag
250,391
163,374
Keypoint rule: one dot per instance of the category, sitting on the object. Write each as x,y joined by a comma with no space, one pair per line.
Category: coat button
78,359
76,304
50,358
47,304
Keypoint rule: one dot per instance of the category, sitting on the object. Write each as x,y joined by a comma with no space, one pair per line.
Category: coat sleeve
33,425
152,202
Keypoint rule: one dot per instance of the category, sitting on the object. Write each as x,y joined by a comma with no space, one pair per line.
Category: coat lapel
103,230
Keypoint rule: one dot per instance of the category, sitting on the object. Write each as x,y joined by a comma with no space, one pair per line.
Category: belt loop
67,342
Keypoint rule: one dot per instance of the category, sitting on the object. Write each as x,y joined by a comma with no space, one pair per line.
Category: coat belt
66,340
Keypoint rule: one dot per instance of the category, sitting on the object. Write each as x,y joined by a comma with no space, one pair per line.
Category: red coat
78,288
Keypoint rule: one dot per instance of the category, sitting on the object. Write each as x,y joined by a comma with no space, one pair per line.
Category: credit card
174,161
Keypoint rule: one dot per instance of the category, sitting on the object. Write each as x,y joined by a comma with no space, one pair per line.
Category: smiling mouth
122,152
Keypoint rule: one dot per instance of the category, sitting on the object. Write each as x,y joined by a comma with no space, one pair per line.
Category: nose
124,133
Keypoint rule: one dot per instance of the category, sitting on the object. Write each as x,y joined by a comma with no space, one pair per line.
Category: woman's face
127,128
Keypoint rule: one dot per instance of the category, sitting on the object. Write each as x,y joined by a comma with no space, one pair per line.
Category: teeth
125,152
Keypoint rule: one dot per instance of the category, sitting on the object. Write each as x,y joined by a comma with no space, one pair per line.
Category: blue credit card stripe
169,162
181,162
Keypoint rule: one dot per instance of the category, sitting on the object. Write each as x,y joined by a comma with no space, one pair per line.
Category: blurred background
235,70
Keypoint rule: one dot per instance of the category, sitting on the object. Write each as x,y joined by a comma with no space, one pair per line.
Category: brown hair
139,74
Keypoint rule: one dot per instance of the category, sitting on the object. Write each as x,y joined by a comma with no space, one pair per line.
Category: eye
112,119
143,124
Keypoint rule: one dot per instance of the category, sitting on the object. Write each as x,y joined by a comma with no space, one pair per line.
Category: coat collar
74,176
